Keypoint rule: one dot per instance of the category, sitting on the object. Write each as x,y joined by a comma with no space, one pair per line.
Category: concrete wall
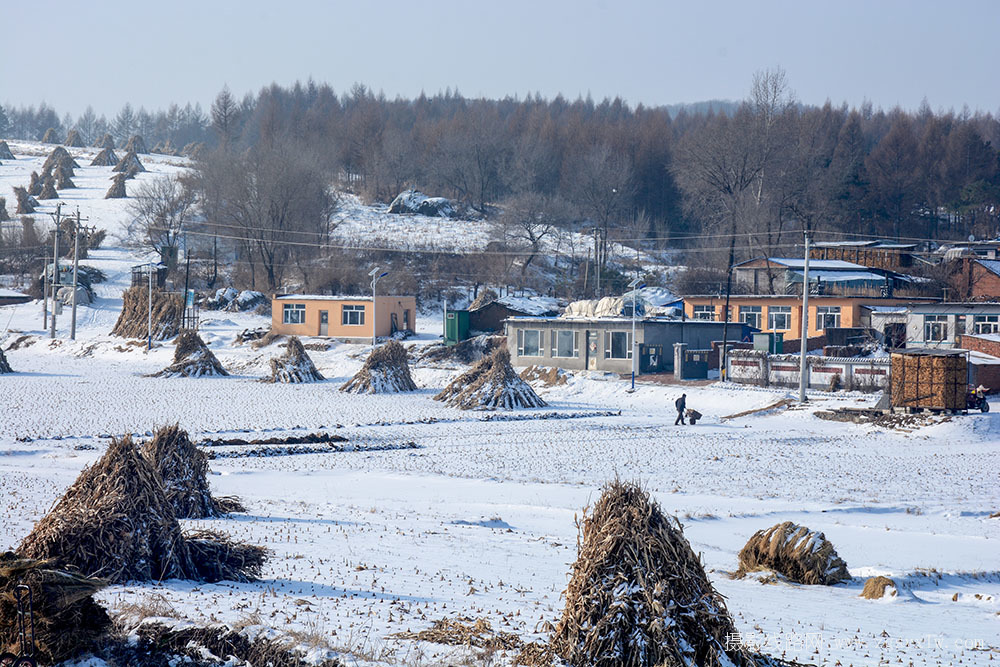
761,369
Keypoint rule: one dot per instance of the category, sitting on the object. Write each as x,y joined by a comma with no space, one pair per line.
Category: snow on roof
983,359
991,265
530,305
832,264
995,337
7,293
886,309
654,297
839,276
319,297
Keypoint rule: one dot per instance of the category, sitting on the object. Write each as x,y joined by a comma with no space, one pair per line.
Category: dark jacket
680,403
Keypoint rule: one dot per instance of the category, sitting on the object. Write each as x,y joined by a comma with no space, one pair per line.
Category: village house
783,314
350,318
489,317
778,275
941,325
605,343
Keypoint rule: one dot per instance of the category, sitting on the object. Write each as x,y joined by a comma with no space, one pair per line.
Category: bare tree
160,208
276,201
603,190
531,217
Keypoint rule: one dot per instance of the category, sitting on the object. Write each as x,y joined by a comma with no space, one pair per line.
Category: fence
767,370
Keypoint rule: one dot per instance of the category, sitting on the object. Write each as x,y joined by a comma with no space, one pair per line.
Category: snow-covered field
478,519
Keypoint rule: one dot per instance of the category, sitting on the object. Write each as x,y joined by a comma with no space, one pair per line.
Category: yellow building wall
404,307
850,311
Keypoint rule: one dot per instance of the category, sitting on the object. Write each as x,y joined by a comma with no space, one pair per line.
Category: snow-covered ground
478,519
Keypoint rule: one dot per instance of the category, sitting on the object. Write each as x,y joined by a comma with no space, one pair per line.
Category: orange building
783,314
346,317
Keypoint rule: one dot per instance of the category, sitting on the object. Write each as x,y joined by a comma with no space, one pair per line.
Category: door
592,350
324,322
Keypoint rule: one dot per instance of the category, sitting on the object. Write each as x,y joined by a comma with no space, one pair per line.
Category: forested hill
758,171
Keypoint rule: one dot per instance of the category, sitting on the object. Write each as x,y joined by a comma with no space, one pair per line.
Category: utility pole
187,278
55,273
45,293
76,270
597,264
149,320
805,325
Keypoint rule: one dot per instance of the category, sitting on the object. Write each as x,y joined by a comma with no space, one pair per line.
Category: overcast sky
892,52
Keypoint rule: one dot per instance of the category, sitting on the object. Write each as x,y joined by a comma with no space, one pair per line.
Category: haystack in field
877,588
192,358
129,163
135,145
58,156
48,189
114,522
64,182
638,594
64,167
184,471
73,139
24,205
67,620
133,321
491,383
217,557
117,189
34,185
794,551
386,371
117,523
107,141
106,158
5,153
4,364
51,136
294,365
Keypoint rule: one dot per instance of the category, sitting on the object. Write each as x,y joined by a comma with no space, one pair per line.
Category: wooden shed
930,378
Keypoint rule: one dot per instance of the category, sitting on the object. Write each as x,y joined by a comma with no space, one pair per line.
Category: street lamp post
375,275
634,285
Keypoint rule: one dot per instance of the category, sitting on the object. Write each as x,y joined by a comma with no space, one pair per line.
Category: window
750,315
618,345
293,313
779,318
704,313
827,317
986,324
565,344
352,315
935,327
529,343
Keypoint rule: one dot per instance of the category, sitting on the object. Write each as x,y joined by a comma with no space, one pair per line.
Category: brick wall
984,284
815,343
979,344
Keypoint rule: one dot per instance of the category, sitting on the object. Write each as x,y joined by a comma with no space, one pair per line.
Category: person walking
680,404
